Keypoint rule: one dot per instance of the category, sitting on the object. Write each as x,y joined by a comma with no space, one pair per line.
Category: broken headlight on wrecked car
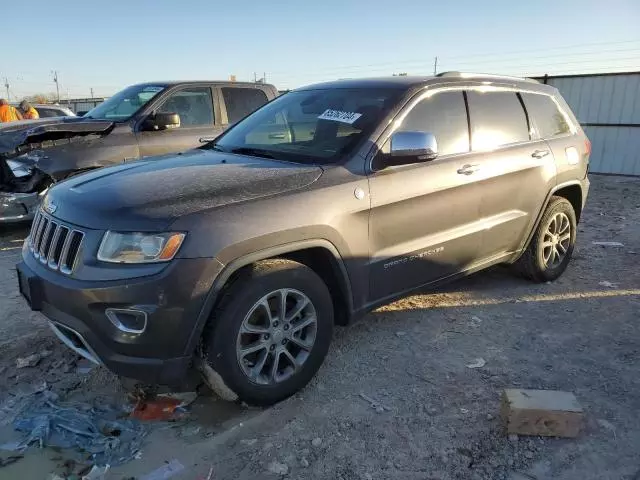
138,247
19,169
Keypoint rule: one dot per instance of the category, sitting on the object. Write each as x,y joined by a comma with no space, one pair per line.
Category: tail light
587,146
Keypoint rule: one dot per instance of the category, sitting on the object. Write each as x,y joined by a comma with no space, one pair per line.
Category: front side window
445,116
497,119
124,104
240,102
546,118
194,105
310,126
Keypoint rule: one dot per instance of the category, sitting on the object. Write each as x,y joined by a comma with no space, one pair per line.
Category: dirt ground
432,417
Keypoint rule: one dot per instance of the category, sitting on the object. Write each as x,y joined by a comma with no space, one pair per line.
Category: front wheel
551,247
270,332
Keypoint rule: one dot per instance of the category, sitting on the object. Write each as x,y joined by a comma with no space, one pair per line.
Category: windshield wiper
255,152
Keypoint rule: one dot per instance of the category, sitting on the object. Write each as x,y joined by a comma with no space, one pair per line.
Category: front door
197,123
424,217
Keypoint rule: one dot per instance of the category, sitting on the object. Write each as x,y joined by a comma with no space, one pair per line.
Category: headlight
139,247
19,169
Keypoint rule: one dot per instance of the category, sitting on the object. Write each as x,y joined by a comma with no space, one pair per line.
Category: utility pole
435,66
264,77
91,92
255,77
55,79
6,85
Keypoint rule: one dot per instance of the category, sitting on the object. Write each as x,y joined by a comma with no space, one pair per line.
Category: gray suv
239,257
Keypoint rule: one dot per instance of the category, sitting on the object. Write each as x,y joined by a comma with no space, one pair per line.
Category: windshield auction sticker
340,116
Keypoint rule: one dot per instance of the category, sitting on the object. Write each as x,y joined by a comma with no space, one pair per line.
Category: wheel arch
571,191
320,255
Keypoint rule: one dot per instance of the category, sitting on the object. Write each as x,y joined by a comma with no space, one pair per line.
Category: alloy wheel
276,336
556,240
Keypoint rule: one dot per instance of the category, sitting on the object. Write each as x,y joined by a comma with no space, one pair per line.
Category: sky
106,46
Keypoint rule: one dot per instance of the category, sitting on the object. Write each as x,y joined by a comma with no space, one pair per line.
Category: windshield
124,104
310,126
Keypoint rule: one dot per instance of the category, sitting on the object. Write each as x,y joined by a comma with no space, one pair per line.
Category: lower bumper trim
75,342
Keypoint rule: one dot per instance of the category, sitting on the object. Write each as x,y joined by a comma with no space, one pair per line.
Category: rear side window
545,116
444,115
47,112
497,119
241,102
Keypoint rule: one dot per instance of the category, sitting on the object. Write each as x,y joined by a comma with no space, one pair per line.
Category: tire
244,305
535,263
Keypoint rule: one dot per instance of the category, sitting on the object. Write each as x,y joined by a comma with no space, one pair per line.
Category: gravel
409,359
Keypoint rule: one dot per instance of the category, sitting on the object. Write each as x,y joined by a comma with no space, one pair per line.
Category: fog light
127,320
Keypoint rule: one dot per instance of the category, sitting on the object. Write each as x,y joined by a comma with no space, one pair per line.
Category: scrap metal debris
32,360
9,460
99,431
477,363
165,472
377,406
163,407
609,244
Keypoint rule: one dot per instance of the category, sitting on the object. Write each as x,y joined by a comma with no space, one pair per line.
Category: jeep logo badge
49,206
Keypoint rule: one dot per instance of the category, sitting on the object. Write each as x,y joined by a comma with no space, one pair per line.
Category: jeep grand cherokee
331,200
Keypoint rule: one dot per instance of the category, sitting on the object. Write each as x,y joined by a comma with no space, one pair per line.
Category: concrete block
549,413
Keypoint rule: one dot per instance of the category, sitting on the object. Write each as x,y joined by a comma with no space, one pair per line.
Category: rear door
424,217
238,102
514,169
195,105
551,120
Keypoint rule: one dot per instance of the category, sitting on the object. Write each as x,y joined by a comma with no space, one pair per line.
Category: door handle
540,153
278,136
206,139
468,169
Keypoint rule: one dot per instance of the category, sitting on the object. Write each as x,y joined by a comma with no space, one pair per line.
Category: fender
235,265
529,236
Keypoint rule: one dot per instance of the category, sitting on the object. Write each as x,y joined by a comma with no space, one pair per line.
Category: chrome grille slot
54,244
70,251
45,243
41,229
58,243
34,229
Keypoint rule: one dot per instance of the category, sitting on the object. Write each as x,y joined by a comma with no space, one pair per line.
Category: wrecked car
142,120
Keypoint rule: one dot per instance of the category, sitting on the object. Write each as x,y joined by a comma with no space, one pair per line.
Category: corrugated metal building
608,108
78,105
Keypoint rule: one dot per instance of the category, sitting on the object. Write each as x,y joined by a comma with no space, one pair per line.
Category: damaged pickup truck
140,121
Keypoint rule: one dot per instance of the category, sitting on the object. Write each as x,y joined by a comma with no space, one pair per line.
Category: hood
150,194
19,137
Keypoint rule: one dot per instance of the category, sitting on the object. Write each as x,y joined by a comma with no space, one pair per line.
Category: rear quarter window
497,119
547,121
240,102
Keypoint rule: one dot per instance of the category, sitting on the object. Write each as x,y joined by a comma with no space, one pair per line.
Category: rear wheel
552,245
271,331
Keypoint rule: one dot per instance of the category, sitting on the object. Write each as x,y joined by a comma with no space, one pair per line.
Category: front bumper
159,350
18,207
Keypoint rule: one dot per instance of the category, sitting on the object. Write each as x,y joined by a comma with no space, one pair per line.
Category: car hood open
20,137
150,194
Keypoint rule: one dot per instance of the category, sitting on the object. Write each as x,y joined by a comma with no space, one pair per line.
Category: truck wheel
271,331
552,245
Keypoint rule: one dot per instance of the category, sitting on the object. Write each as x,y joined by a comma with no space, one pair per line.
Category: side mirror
161,121
411,147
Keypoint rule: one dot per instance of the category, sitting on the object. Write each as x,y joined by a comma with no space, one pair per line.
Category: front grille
54,244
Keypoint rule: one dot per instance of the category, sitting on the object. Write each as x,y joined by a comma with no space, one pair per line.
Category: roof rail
456,74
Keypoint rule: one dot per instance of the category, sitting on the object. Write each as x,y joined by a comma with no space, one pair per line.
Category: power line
403,63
